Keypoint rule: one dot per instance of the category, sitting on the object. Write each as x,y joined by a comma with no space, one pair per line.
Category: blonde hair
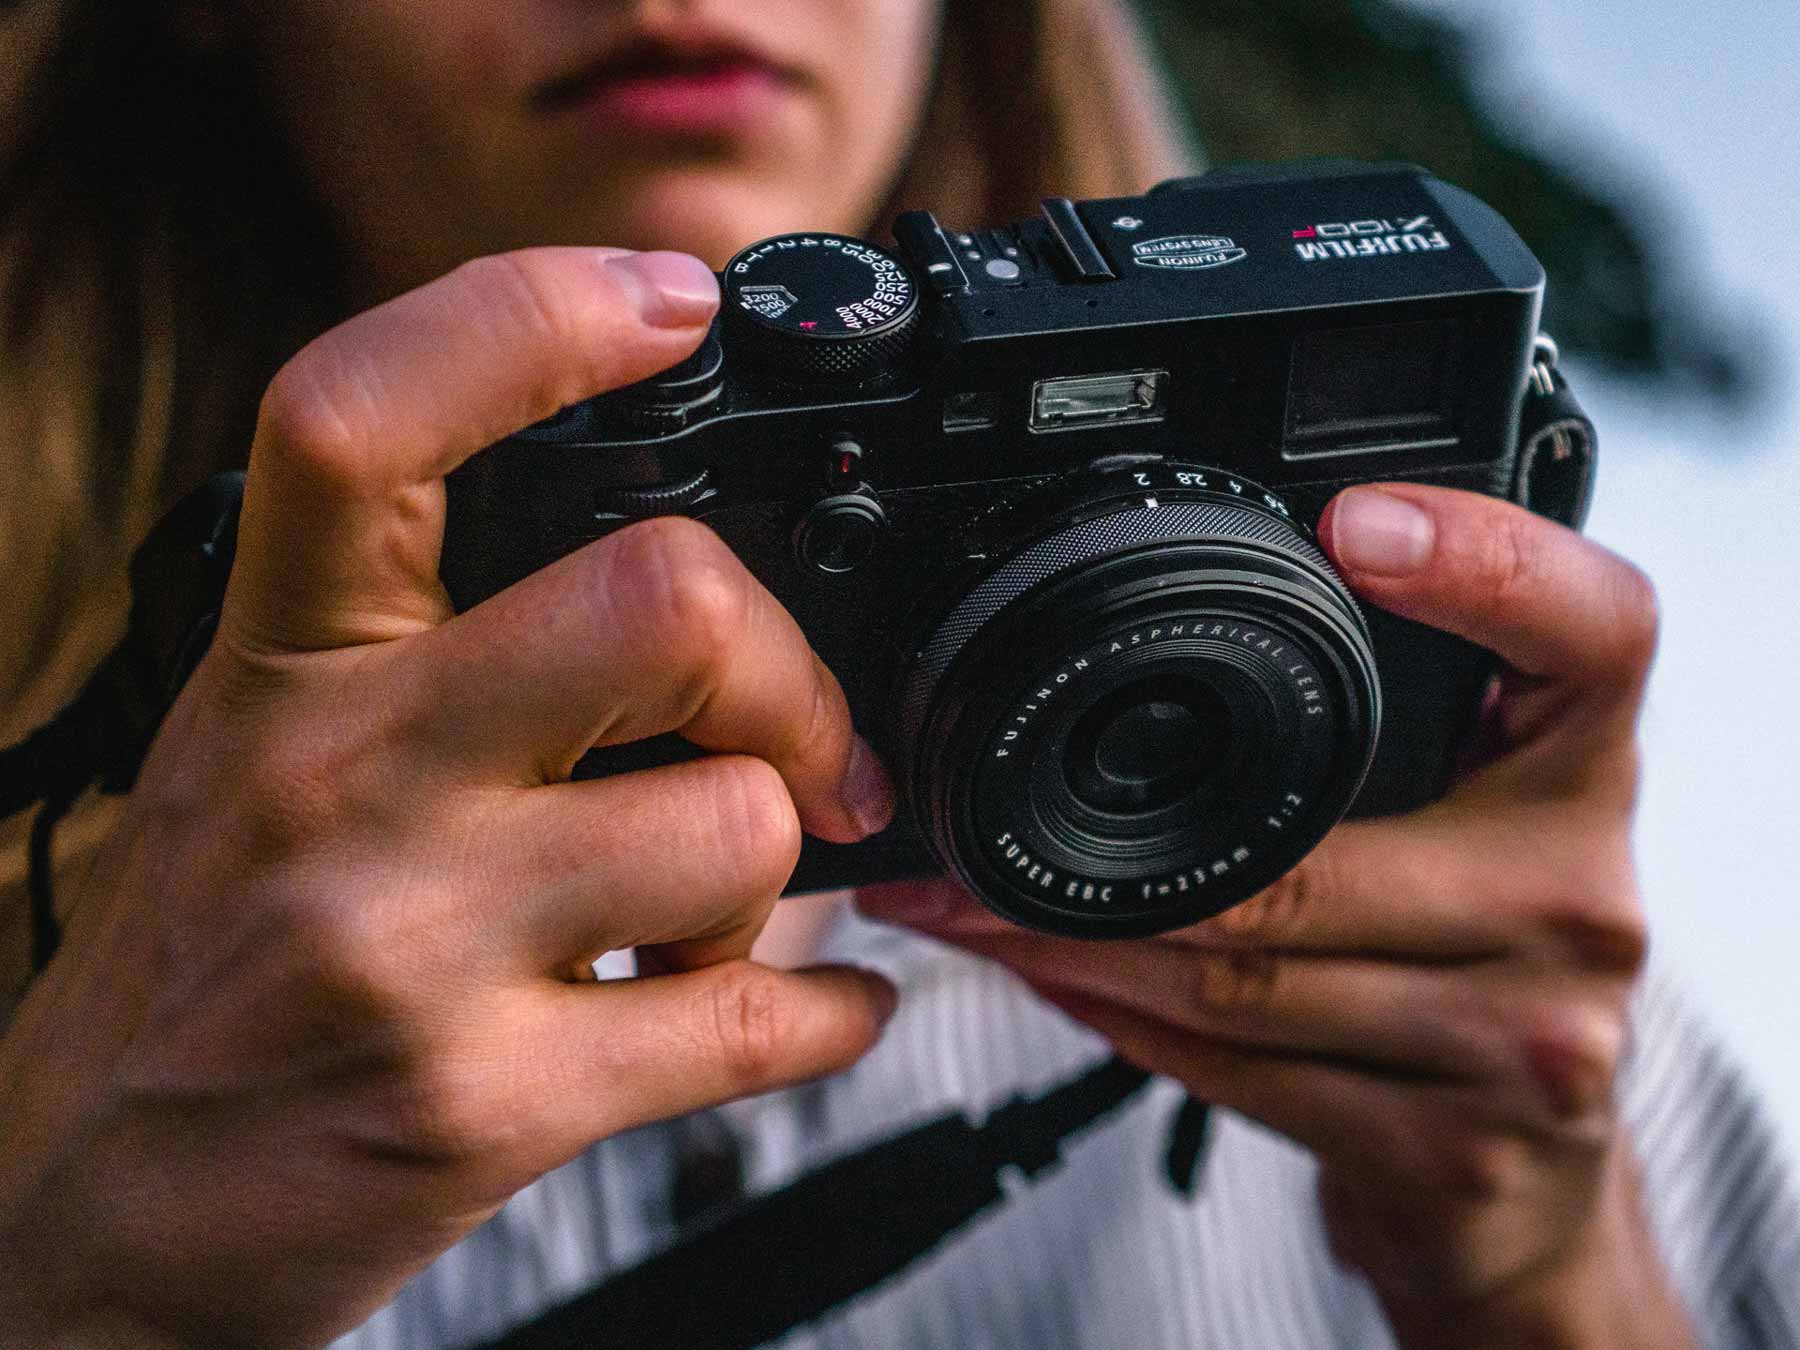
1081,112
149,289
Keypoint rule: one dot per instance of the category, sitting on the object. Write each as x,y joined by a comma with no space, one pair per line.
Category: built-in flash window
1093,400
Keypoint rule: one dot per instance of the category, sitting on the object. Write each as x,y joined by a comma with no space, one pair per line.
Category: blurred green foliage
1374,79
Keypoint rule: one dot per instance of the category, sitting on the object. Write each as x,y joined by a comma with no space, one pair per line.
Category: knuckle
527,289
826,722
348,903
294,797
707,598
1278,910
752,1025
1484,1167
313,415
1502,556
521,296
1234,983
443,1110
754,819
1573,1060
1602,928
432,1091
518,283
685,586
555,300
348,957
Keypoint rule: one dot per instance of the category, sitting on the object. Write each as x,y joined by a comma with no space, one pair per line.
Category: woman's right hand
312,1020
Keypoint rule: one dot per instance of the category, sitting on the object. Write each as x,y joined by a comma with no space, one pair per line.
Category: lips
699,85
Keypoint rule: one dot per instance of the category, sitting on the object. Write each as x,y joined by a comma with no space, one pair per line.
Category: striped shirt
1103,1251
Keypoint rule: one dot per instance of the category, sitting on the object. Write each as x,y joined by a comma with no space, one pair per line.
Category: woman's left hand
1435,1003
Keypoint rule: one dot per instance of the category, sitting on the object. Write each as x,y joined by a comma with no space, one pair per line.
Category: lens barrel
1159,701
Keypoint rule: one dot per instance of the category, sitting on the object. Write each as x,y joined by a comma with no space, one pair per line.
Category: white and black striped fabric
1102,1252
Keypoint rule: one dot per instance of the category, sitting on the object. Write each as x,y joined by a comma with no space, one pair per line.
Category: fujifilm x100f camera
1043,498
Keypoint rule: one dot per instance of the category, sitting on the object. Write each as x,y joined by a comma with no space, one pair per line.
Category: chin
712,214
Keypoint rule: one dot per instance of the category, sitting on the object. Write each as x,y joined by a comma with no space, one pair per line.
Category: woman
314,1019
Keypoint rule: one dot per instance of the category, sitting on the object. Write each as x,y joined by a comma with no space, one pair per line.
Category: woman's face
437,130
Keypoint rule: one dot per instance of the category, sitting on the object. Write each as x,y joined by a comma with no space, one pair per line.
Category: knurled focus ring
1139,524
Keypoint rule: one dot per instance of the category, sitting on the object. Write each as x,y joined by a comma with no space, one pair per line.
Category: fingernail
1373,531
867,790
670,290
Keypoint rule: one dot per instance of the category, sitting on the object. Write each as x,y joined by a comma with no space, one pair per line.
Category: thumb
650,1048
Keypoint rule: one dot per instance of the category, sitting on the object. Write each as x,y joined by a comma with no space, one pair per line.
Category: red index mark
1307,233
809,323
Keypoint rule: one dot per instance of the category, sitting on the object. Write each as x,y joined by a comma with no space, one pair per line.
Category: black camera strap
178,581
101,737
792,1256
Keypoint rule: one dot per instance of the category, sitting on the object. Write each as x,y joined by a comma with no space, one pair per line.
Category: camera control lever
922,238
1079,250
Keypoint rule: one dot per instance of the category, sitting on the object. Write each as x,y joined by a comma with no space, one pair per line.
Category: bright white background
1702,101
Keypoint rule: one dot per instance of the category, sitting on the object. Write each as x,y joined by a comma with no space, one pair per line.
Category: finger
343,510
654,629
1324,1105
1420,1020
1552,604
1434,1140
697,850
627,1052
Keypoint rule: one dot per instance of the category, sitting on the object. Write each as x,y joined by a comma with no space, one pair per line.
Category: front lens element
1147,745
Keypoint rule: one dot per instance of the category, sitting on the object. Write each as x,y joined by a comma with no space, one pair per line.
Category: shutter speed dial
819,308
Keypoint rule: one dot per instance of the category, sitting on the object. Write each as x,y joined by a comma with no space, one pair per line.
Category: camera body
965,462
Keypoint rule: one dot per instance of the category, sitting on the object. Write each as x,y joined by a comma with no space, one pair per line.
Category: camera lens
1147,745
1155,704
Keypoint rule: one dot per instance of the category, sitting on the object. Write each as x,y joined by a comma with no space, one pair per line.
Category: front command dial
819,308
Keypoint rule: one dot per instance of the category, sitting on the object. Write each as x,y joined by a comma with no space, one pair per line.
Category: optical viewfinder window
1381,386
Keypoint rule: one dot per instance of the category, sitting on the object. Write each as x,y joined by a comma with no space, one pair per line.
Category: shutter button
674,399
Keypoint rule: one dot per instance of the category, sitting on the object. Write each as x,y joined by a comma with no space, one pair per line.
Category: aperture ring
1152,519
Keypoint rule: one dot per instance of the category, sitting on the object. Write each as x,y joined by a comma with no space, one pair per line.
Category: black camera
1042,497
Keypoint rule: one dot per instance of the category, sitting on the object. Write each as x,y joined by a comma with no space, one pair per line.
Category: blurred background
1650,154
